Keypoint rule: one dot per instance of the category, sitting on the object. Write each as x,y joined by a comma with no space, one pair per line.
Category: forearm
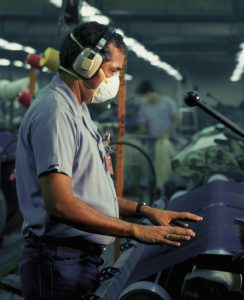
128,208
78,214
61,203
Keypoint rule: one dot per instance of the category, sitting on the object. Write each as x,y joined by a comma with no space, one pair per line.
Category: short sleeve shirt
158,116
58,134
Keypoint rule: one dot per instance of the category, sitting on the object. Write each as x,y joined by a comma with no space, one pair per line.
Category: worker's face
105,84
115,65
109,68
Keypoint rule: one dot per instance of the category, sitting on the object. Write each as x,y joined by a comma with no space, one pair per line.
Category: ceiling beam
30,17
125,16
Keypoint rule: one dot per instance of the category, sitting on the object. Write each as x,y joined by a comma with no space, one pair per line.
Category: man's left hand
167,217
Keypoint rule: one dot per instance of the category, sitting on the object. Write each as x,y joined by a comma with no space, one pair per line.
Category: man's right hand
165,235
61,203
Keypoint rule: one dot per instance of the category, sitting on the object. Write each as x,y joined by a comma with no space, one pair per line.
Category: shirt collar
61,87
79,110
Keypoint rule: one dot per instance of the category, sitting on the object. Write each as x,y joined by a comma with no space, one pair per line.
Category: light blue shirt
58,133
158,116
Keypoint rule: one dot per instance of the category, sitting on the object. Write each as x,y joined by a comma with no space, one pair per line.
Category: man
65,192
159,118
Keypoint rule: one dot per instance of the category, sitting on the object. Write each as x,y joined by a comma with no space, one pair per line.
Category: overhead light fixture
18,63
57,3
91,13
4,62
128,77
88,10
14,46
29,49
4,44
236,75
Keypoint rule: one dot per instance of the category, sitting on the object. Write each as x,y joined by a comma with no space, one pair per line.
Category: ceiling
181,32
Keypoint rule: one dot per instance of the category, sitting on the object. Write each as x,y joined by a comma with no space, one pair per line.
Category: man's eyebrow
118,68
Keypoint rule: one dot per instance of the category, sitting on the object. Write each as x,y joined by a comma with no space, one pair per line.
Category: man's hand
164,235
166,217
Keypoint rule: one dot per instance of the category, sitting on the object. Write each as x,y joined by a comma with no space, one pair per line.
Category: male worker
65,191
159,118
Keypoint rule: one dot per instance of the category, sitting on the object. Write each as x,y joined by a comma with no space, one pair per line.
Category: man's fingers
167,235
180,223
189,216
171,243
172,239
180,231
176,237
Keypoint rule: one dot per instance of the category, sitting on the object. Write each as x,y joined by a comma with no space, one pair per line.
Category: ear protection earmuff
89,60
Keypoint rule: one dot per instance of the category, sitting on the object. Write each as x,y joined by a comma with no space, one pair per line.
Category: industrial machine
212,264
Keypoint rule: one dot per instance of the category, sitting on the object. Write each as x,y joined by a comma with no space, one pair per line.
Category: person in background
159,118
63,168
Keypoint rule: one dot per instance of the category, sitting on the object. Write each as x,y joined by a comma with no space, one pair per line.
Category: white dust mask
107,89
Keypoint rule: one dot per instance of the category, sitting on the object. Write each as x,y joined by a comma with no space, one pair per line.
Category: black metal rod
192,98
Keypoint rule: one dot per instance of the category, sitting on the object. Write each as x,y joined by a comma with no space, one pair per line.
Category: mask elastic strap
104,76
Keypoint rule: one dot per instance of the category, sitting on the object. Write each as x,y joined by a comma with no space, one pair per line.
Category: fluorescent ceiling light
18,63
57,3
91,13
236,75
88,10
3,43
15,46
4,62
29,49
128,77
